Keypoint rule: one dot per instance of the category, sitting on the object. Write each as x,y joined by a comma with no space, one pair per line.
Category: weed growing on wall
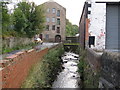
89,78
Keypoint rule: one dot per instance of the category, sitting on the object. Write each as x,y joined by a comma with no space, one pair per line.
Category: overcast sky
73,8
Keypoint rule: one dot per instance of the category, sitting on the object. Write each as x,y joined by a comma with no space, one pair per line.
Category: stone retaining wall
14,41
110,71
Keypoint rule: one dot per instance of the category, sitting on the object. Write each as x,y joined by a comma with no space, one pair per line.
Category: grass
19,47
45,71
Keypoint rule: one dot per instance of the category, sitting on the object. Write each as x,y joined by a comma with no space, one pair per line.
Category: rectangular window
91,41
53,19
89,5
48,10
89,12
58,13
53,10
47,36
58,21
47,27
58,29
53,27
48,19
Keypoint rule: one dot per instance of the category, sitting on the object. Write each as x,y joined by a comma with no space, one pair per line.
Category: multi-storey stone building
55,22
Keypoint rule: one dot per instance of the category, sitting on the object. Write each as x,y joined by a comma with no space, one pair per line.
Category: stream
69,77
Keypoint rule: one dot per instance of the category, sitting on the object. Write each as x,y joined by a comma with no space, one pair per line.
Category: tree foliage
5,17
71,30
28,19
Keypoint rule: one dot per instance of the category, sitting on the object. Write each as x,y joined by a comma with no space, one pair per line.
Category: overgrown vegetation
44,72
71,30
18,47
89,78
26,20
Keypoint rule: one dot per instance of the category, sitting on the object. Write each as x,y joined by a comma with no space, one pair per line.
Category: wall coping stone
31,50
19,53
98,54
11,57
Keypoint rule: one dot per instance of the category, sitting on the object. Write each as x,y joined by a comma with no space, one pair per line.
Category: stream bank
43,73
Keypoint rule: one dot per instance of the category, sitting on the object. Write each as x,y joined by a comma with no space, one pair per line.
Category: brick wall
16,67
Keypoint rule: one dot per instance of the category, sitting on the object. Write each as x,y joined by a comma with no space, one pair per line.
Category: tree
71,30
28,19
5,17
19,22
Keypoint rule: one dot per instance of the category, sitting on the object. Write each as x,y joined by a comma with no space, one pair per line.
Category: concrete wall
14,69
94,59
110,70
14,41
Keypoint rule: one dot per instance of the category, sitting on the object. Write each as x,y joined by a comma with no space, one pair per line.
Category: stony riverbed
69,76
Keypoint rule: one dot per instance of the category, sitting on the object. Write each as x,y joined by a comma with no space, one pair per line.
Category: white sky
73,8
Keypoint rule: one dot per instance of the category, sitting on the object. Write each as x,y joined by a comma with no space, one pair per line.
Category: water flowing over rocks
69,76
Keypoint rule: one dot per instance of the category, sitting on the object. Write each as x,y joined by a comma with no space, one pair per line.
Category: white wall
97,24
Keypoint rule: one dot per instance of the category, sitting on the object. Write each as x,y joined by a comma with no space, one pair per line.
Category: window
47,36
89,12
58,29
53,19
53,10
89,5
58,21
91,40
48,19
48,10
47,27
58,13
53,27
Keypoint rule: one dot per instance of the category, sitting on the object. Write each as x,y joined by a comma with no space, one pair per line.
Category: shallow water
69,76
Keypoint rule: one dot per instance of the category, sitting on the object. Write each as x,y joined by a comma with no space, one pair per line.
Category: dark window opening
91,40
58,21
47,27
89,12
53,27
89,5
58,29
